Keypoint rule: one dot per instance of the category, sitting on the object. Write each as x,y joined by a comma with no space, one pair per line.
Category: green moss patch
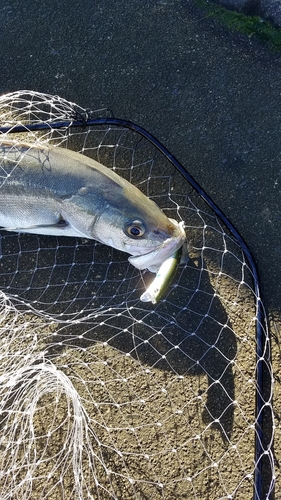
249,25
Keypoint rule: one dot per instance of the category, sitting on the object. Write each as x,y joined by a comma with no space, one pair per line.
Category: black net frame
85,120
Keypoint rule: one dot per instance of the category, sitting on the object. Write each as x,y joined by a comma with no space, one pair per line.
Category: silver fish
54,191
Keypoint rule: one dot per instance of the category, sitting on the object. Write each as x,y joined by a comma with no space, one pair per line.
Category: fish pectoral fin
60,228
58,225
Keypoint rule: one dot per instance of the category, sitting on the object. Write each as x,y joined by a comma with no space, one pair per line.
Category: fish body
55,191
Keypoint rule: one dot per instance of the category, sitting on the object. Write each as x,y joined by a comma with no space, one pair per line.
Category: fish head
116,213
138,227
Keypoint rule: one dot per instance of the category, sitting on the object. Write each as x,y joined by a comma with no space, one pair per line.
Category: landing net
103,396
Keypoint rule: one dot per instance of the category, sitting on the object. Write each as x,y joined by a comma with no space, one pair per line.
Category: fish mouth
152,260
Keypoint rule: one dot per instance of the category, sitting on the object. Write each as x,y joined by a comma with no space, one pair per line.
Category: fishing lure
163,279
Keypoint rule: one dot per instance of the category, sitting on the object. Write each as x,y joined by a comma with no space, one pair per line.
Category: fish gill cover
102,395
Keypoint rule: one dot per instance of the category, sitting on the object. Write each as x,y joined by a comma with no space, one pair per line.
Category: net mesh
101,395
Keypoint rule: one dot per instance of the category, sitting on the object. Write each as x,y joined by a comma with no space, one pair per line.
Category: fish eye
135,229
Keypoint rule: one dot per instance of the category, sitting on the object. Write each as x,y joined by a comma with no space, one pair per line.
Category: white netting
103,396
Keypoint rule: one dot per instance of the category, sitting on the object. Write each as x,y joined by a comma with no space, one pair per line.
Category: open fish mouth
153,260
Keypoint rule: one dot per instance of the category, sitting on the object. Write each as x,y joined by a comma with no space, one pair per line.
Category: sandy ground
210,95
